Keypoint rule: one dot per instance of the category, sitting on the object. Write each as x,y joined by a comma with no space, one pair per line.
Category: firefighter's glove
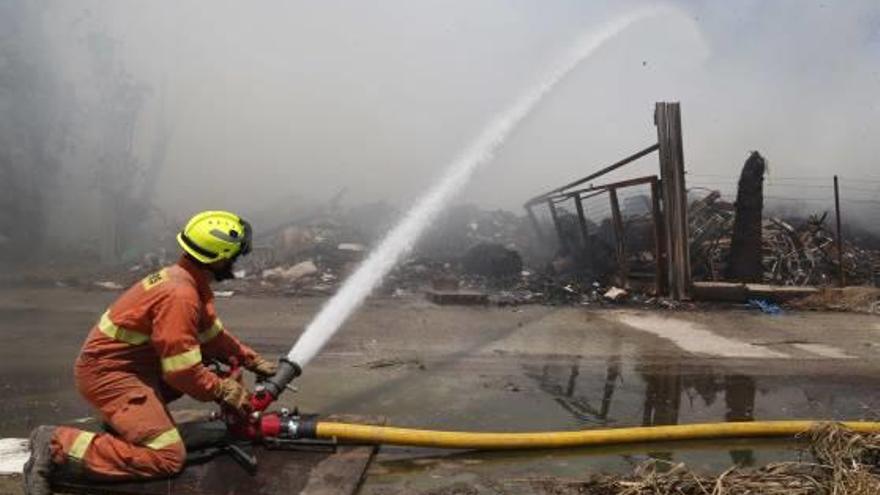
262,366
233,394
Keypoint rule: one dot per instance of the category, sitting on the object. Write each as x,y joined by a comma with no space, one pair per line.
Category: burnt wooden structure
668,205
457,297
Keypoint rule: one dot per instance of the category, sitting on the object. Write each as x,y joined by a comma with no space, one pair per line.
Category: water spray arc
285,426
400,240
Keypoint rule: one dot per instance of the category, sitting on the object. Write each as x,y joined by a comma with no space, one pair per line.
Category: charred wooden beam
744,264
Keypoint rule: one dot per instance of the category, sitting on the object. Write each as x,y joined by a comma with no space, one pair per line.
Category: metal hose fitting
287,371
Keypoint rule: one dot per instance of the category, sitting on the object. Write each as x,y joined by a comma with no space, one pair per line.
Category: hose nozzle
287,371
270,389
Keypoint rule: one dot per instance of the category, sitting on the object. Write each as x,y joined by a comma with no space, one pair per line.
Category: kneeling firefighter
145,351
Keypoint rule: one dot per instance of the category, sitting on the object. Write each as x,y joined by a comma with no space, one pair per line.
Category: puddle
647,394
625,390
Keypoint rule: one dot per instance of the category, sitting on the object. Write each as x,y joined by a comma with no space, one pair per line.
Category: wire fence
799,243
863,192
788,193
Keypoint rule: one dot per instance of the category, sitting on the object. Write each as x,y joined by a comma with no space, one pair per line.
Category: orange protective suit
145,351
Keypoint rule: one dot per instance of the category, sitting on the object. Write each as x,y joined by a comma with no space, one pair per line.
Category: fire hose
283,425
384,435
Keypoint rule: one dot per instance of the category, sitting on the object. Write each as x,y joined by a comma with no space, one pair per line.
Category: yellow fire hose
385,435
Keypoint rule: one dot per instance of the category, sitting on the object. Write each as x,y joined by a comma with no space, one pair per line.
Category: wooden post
559,233
617,223
659,239
667,117
841,274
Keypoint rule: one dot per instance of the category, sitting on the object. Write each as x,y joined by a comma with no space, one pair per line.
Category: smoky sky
278,101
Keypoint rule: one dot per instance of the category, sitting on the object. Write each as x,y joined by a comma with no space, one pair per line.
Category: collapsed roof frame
669,198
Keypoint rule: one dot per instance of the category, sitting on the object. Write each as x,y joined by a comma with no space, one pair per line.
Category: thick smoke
123,117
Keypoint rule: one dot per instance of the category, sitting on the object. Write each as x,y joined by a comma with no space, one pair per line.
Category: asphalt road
501,369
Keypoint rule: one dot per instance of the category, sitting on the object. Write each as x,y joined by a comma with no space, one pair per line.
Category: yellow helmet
212,236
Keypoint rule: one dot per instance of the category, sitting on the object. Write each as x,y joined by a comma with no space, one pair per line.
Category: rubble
108,285
494,257
492,260
615,294
291,274
351,247
795,251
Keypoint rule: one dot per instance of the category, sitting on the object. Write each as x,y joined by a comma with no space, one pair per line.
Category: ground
528,368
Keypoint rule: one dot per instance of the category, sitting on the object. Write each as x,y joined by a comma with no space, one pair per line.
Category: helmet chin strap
226,273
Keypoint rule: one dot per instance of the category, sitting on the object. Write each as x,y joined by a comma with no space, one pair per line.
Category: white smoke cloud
279,99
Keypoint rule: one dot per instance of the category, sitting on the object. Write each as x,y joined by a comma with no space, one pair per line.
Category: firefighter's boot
38,467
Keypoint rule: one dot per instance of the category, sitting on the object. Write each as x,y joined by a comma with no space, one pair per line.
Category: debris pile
492,260
479,249
466,226
795,251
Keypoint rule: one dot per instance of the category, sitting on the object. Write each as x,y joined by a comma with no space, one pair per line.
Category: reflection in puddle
629,390
560,381
665,388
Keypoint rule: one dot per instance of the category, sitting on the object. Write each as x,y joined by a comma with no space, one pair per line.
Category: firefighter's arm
218,342
175,340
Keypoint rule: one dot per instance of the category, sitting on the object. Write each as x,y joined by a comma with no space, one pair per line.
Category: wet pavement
532,368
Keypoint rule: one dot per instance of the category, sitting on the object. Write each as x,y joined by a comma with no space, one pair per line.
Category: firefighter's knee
170,460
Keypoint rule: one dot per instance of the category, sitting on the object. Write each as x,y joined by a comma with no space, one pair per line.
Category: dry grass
857,299
846,463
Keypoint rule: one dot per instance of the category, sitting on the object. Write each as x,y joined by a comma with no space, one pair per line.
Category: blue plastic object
766,307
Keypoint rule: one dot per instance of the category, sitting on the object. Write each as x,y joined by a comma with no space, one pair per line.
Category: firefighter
145,351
